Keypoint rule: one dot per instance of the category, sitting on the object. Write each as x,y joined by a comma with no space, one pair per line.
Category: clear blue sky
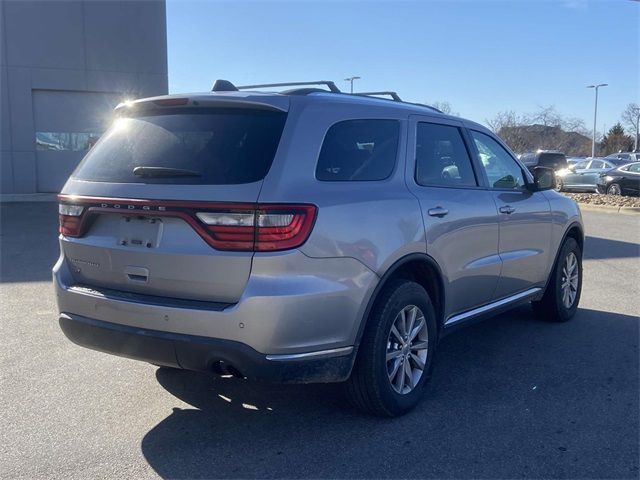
481,56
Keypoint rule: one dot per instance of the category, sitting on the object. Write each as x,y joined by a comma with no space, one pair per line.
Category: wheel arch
575,230
417,267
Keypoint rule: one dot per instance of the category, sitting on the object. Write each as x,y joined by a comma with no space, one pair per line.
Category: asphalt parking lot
511,397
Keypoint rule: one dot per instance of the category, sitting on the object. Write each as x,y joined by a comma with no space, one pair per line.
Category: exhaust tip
223,368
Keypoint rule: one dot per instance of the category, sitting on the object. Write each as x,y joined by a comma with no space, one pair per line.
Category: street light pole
595,117
351,79
636,112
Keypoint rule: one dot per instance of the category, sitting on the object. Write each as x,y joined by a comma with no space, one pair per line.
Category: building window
66,141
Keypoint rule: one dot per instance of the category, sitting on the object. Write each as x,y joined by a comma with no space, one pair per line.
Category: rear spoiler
236,100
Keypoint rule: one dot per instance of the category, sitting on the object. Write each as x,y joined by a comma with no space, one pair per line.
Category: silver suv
305,236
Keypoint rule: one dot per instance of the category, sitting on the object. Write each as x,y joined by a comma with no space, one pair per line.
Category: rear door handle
508,209
437,212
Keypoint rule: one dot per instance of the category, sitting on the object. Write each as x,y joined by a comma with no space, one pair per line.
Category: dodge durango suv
305,236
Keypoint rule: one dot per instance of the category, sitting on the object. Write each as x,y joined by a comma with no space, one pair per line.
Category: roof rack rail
393,95
226,86
425,105
329,84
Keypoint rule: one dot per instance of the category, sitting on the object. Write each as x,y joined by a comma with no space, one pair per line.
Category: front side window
442,158
635,168
359,150
582,165
502,171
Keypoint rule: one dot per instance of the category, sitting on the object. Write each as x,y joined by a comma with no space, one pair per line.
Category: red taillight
267,228
238,227
70,218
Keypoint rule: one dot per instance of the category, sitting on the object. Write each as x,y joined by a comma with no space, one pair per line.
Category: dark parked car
584,176
621,181
627,157
545,158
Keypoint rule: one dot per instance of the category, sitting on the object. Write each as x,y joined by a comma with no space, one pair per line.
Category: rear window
554,160
359,150
618,161
186,146
528,158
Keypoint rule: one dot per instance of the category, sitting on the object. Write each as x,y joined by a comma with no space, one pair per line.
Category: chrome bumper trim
335,352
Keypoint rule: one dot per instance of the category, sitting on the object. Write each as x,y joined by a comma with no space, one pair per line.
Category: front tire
614,189
560,300
559,185
396,352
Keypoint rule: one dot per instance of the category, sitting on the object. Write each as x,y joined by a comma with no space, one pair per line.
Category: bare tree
444,107
631,118
545,128
506,118
547,116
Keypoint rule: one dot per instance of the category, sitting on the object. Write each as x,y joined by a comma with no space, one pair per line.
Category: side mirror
544,178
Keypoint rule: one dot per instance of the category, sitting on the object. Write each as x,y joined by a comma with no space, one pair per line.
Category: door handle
437,212
508,209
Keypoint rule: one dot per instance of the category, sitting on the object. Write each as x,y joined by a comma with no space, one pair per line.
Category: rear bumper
206,354
292,304
600,188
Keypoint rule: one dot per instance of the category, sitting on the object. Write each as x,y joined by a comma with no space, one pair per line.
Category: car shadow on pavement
510,397
28,241
596,248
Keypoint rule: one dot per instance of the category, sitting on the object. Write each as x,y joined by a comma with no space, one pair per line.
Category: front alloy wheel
569,281
614,189
560,300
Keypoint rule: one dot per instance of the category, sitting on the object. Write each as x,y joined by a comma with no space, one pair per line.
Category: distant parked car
624,180
545,158
629,157
584,176
574,160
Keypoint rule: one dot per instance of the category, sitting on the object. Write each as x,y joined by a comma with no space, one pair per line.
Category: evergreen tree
616,141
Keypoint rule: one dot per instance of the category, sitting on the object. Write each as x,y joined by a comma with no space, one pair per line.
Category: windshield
214,146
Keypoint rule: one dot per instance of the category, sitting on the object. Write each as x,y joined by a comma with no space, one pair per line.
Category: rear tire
561,299
559,184
381,383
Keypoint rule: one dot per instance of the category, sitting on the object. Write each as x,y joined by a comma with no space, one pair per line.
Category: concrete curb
609,208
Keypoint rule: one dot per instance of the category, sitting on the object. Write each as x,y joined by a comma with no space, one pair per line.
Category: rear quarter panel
375,222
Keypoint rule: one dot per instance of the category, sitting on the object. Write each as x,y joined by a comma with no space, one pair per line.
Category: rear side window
442,158
359,150
186,146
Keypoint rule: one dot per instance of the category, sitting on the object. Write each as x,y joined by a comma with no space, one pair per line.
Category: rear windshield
618,162
186,146
556,160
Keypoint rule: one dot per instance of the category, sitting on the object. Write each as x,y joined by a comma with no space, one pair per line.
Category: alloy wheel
570,279
407,346
614,189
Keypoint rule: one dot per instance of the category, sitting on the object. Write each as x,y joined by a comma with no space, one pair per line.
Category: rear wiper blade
164,172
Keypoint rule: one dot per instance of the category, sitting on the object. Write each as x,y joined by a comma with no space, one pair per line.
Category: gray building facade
63,67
